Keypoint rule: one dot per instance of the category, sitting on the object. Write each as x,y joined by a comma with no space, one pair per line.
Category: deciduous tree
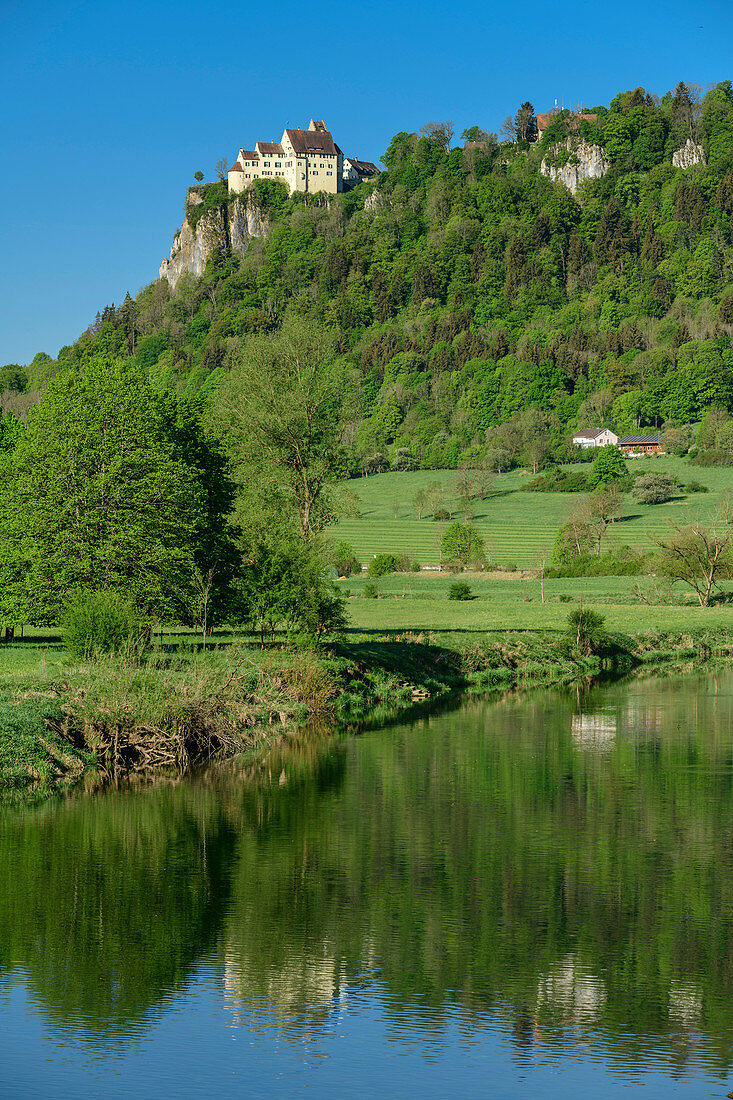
698,556
278,411
103,491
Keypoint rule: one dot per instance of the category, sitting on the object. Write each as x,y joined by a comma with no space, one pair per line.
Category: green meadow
517,527
419,602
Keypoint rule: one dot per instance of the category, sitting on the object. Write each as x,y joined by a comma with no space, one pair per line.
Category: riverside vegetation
188,456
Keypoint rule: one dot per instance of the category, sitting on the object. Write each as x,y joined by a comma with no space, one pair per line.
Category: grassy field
419,602
517,526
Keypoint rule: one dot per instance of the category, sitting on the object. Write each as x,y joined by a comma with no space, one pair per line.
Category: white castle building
307,160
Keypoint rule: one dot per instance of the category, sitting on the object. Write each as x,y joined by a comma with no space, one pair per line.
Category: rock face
229,226
583,162
689,154
373,201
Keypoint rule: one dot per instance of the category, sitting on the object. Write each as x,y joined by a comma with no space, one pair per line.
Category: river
528,893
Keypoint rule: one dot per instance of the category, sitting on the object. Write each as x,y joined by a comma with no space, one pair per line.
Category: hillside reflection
560,864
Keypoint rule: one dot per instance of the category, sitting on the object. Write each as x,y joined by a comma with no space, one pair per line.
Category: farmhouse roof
640,439
589,433
312,141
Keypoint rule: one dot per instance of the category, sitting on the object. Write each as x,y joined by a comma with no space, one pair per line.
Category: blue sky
111,108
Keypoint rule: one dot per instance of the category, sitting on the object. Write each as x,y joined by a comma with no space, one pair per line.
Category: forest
477,305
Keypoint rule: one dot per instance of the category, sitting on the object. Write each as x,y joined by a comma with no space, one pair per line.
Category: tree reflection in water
557,866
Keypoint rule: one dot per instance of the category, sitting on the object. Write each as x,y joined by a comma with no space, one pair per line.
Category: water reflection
556,868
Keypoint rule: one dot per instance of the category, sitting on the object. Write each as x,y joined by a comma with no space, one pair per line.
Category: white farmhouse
595,437
307,160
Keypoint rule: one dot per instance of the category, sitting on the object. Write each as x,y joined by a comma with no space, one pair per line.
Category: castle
307,160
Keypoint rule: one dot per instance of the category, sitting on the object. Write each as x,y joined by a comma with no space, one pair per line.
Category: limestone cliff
689,154
230,226
573,161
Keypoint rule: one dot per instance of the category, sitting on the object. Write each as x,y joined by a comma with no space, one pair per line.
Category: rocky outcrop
230,226
573,161
246,220
373,201
689,154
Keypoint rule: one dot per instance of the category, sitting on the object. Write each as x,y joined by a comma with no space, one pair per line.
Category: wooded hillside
478,306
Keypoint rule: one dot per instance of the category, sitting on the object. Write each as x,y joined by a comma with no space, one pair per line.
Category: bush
557,481
459,590
441,515
345,559
382,564
100,624
653,488
622,563
416,567
371,592
585,630
696,487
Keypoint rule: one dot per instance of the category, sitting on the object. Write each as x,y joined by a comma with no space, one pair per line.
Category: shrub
346,560
622,563
653,488
557,481
510,567
416,567
371,592
696,487
98,624
382,564
459,590
441,515
585,630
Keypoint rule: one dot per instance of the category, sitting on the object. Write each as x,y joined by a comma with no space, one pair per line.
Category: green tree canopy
107,489
279,411
461,543
608,466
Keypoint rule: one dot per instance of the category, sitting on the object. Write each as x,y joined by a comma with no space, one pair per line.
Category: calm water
528,895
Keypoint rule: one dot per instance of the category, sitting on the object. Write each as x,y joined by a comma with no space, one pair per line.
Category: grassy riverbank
63,723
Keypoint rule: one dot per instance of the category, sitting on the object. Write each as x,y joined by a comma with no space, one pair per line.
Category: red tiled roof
248,154
236,167
312,141
543,121
267,148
